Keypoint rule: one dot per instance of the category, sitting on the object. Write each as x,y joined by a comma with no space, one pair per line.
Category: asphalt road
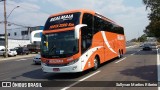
135,65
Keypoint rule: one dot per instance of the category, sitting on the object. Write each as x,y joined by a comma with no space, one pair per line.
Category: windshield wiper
51,49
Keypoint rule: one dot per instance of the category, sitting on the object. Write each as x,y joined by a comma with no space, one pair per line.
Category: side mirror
77,29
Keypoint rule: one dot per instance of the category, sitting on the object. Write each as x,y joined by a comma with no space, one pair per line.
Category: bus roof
86,11
72,11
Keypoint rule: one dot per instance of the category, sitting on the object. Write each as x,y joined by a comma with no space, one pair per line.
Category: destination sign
62,21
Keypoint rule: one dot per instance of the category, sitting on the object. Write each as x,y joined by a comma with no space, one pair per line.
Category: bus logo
64,17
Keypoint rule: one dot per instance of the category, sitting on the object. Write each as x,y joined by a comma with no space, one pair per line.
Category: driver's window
86,32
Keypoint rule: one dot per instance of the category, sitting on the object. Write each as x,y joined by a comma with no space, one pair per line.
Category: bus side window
86,32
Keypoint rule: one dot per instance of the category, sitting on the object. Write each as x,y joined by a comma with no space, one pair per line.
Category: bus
35,40
78,40
35,36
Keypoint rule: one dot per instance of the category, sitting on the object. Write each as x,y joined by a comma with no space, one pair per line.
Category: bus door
86,34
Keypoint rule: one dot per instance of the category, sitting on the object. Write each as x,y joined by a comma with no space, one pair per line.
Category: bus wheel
96,64
119,54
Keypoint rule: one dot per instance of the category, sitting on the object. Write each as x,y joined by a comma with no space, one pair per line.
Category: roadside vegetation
153,29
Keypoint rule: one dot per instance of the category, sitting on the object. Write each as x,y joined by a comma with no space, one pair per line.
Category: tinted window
12,49
2,50
61,44
37,35
87,32
88,19
103,25
24,32
15,34
62,21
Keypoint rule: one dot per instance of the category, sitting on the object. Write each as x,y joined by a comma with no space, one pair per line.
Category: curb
32,55
17,57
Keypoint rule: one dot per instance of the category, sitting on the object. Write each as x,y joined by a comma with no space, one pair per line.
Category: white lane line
158,67
121,60
21,60
65,88
133,54
131,46
138,50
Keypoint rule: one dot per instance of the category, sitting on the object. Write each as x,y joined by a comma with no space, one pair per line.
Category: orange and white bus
77,40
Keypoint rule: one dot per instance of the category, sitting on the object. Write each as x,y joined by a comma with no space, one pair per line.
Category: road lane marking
121,60
138,50
131,46
158,67
21,60
133,54
65,88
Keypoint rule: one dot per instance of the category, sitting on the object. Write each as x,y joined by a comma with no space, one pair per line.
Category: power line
12,23
17,24
26,8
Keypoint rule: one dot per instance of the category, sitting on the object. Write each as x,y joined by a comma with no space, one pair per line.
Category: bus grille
56,65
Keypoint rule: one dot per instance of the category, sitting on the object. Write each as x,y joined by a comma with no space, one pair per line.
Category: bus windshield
59,45
62,21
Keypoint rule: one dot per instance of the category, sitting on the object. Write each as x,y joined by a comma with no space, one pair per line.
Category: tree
153,29
134,40
143,38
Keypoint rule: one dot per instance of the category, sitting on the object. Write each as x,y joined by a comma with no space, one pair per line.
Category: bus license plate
56,69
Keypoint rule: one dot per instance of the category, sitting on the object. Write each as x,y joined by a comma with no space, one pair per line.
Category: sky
131,14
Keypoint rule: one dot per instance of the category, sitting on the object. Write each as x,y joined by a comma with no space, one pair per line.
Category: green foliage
143,38
134,40
153,29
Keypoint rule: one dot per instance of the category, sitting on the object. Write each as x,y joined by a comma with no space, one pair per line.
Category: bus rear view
70,44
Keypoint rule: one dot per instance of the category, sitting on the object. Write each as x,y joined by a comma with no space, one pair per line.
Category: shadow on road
148,73
147,52
40,75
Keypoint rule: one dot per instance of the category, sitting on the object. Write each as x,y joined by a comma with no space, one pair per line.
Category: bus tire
122,51
119,54
96,63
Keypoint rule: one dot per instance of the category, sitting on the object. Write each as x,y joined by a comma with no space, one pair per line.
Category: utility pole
5,28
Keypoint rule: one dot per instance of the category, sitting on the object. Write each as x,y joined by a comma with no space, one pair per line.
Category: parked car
147,47
37,59
2,47
10,52
22,50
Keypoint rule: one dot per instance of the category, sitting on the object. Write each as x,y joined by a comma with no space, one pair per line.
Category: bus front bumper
63,69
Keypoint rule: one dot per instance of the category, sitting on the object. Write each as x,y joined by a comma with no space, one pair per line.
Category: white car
37,59
10,52
2,47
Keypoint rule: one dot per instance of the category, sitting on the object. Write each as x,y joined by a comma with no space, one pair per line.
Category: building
22,33
19,36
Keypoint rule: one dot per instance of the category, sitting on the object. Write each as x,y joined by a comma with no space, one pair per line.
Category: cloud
132,18
28,14
134,22
32,19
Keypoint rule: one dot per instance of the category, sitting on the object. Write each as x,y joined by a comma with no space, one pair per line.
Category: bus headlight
73,62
